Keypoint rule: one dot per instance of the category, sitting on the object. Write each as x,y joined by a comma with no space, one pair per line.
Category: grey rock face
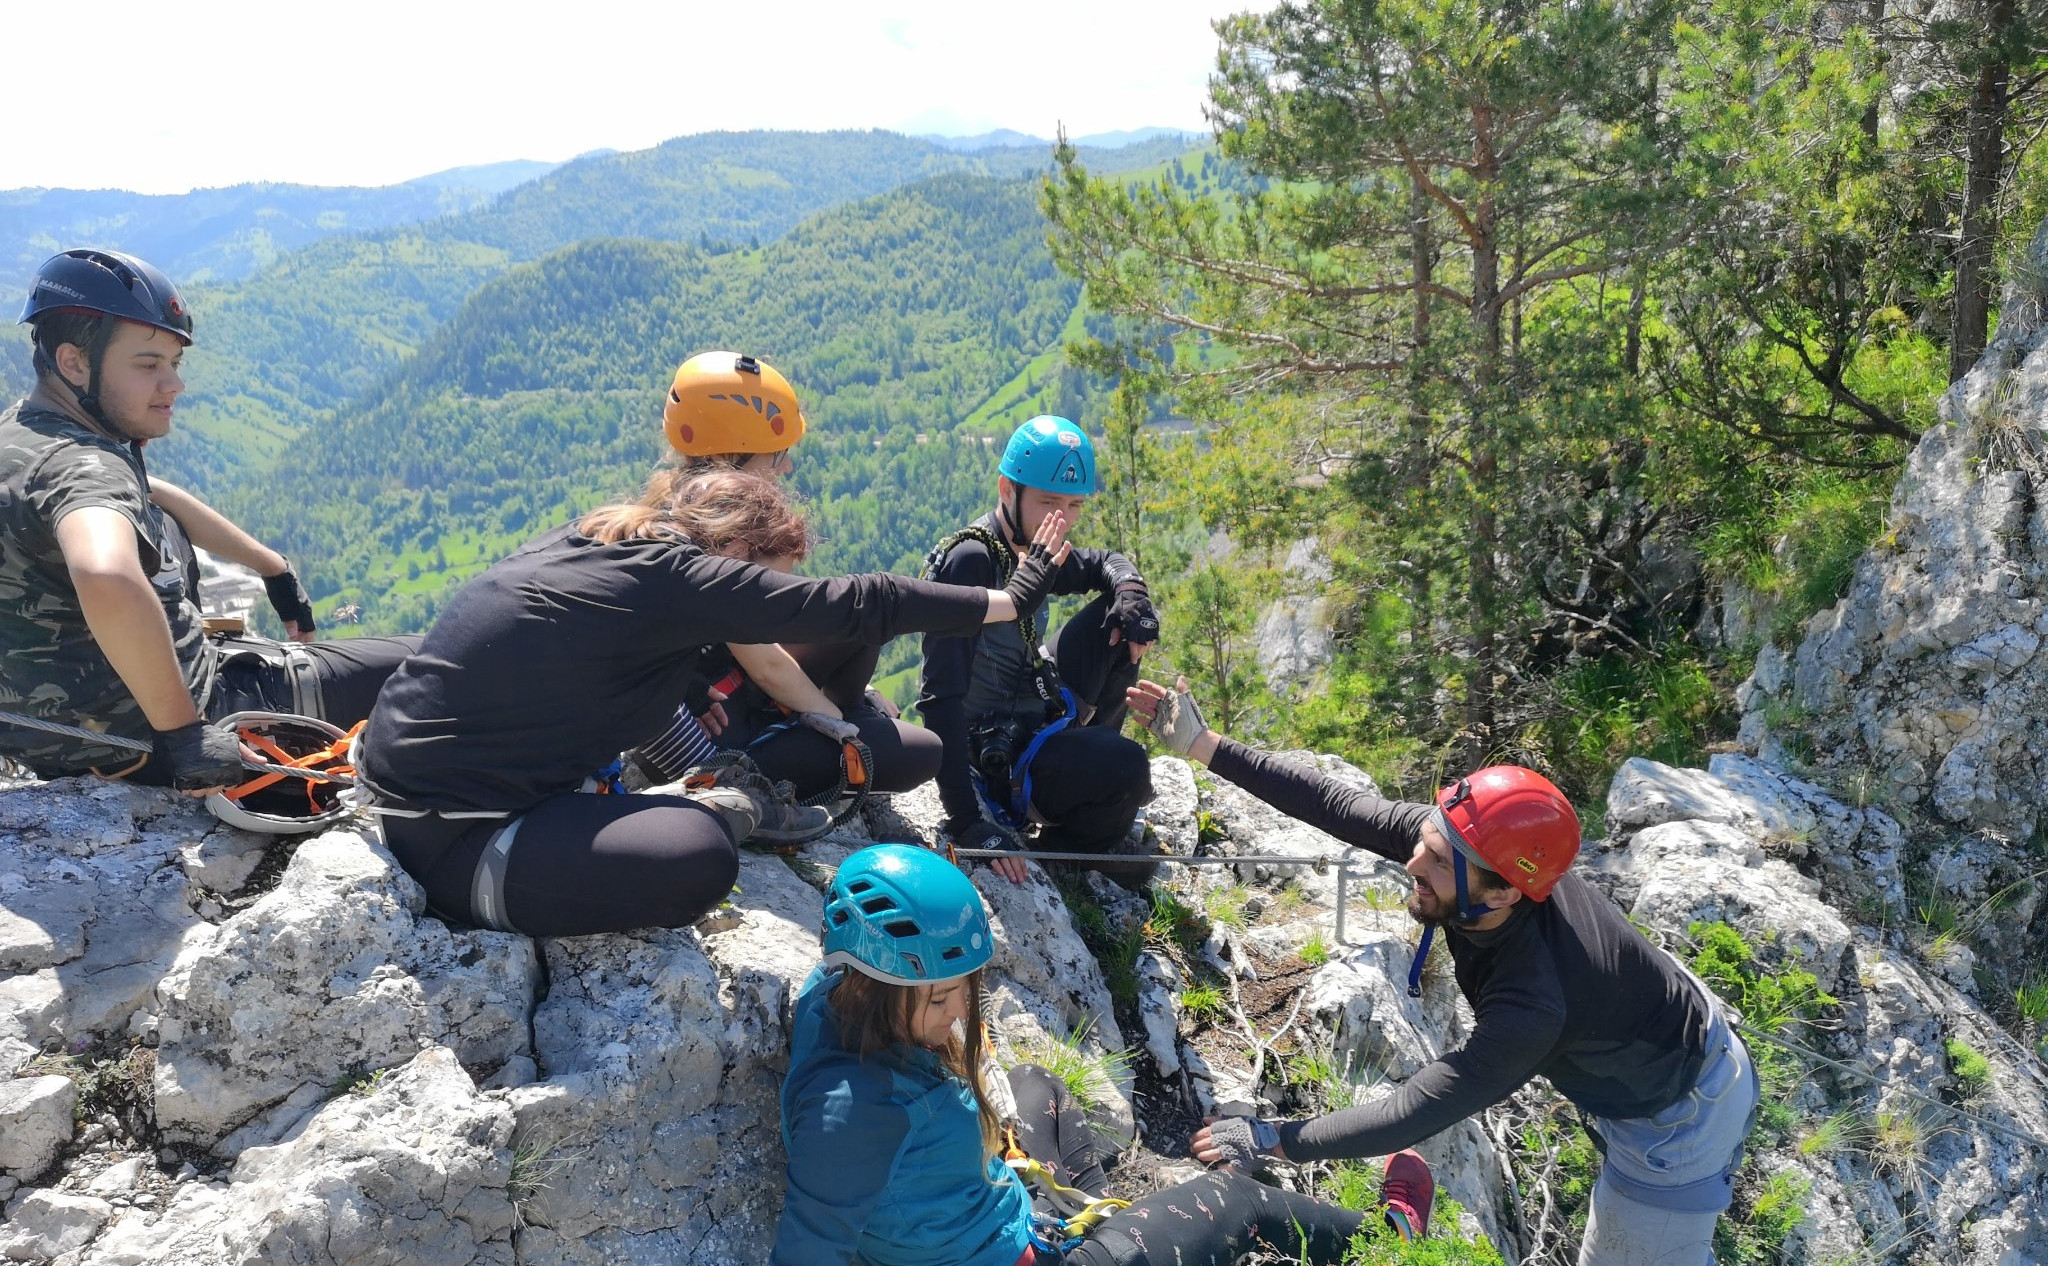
1927,682
1912,1180
1296,636
35,1123
632,1110
1858,848
334,974
46,1224
94,906
418,1170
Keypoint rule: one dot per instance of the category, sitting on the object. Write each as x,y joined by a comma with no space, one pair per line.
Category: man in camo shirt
98,606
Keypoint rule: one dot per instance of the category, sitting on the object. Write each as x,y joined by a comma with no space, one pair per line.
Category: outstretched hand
1175,718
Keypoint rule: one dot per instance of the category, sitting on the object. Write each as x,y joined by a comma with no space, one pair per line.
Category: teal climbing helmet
904,915
1053,454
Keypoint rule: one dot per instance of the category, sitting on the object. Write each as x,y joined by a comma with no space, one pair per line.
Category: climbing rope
140,745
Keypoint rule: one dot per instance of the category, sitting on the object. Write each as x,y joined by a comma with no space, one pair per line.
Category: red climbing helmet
1515,822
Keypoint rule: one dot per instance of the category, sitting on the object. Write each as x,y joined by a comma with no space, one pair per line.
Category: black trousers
906,756
1208,1221
1089,781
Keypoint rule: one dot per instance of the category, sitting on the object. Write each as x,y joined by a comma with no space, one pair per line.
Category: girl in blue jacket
892,1142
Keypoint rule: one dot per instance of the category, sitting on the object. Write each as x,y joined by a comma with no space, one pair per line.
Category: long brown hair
875,1016
714,509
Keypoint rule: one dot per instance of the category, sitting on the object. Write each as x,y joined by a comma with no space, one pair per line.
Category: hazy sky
166,97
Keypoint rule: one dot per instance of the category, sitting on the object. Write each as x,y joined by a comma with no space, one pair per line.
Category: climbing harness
856,768
1074,1213
609,781
1012,808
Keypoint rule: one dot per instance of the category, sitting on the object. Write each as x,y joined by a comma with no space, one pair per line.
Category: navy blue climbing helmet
110,282
906,916
1053,454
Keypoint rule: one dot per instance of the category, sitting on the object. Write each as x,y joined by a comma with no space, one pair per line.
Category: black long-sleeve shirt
555,659
1566,989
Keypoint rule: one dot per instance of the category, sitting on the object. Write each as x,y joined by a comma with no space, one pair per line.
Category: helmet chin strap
1469,912
1012,514
88,396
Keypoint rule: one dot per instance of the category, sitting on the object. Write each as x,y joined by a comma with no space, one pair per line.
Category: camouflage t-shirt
50,466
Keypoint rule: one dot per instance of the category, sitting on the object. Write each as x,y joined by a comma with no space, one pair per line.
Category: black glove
1031,584
697,694
982,833
288,598
1131,613
201,756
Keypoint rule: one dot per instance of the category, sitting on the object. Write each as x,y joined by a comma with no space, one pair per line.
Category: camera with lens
996,746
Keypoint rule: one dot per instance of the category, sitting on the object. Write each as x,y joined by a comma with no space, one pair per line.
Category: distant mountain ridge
1005,138
221,235
492,178
405,404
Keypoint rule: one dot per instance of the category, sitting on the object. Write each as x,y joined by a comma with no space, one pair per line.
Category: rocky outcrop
1927,686
415,1166
319,1072
1903,1155
359,1082
1296,636
335,970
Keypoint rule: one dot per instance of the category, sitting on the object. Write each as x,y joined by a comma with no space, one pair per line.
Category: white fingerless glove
1178,722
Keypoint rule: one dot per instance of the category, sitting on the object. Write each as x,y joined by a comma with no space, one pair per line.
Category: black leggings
1208,1221
1216,1219
906,756
575,864
1096,672
350,670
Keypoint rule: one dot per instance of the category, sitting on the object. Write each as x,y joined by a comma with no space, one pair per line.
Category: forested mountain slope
895,316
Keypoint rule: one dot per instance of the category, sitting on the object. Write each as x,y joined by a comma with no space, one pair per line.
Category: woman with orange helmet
1561,985
728,409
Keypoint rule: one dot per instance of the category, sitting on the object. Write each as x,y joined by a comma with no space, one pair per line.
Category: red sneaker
1408,1192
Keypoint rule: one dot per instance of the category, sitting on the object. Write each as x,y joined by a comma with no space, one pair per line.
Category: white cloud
217,92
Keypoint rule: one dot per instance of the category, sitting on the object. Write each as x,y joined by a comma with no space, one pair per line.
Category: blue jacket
885,1158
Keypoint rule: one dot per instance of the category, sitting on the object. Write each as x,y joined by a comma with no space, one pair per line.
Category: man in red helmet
1560,983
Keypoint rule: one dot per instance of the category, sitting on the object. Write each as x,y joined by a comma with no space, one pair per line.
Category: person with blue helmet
99,604
1031,725
899,1155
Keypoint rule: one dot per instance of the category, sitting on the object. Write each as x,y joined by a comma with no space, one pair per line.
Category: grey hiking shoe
733,806
778,825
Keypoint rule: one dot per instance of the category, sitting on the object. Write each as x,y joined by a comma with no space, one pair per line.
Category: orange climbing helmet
1513,821
726,402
